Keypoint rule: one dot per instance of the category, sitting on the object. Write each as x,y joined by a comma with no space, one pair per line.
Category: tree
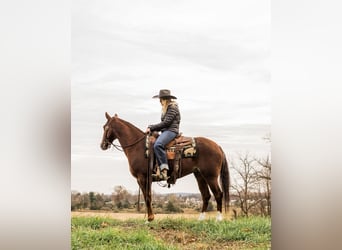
246,184
99,201
172,205
121,197
264,176
92,199
76,200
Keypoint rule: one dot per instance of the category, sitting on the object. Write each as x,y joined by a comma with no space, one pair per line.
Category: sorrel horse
207,166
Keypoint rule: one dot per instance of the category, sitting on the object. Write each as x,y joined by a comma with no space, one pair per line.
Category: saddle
180,147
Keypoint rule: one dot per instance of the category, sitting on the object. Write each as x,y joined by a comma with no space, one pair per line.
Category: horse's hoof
219,216
150,218
201,217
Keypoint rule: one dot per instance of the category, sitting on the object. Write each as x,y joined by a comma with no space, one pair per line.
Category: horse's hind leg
203,187
218,194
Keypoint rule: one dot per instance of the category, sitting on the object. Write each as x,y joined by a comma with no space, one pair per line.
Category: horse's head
108,132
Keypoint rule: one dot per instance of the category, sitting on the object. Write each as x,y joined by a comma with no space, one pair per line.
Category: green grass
106,233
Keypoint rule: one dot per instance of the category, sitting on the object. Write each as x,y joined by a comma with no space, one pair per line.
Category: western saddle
178,148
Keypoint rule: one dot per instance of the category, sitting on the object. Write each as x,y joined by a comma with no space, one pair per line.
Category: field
188,214
101,230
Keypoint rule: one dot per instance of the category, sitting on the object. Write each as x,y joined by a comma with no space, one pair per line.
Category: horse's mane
128,124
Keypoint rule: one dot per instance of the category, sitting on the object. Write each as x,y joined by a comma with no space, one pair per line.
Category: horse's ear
108,116
116,115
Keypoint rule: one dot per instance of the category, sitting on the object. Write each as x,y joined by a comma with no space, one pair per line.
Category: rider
169,127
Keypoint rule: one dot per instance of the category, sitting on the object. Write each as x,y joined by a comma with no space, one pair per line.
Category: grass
108,233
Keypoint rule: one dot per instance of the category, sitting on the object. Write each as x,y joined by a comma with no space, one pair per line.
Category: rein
121,148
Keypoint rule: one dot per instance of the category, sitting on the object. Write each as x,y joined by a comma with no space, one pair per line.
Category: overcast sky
212,55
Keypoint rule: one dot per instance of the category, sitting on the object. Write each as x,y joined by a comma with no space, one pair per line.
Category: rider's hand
148,131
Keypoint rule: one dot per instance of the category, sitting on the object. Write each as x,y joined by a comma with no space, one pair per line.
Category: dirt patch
188,241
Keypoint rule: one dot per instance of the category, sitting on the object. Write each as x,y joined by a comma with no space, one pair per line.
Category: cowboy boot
163,175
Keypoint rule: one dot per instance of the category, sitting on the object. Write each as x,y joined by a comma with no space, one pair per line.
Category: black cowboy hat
164,93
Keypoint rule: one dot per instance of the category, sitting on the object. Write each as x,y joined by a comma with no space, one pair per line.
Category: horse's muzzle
105,146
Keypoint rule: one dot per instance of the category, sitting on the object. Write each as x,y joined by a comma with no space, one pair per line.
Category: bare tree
76,200
247,183
264,176
121,197
85,200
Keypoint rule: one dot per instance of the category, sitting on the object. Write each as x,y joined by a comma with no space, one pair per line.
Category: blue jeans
159,148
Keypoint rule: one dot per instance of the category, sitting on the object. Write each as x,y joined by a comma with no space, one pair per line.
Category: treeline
122,200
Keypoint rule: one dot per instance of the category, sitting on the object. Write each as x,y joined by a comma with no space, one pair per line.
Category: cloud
212,55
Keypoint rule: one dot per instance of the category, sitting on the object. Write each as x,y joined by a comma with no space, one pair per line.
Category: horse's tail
225,181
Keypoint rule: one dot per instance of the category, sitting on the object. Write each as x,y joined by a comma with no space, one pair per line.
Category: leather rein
121,148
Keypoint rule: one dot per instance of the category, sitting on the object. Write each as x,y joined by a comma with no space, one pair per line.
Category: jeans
159,148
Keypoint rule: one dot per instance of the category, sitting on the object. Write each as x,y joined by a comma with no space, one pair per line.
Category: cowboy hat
164,93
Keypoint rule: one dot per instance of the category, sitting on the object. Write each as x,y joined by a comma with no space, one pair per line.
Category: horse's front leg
146,189
149,208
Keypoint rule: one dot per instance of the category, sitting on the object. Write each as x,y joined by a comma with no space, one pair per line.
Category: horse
207,166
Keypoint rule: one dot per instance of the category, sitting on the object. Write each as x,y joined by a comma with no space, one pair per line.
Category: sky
213,56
